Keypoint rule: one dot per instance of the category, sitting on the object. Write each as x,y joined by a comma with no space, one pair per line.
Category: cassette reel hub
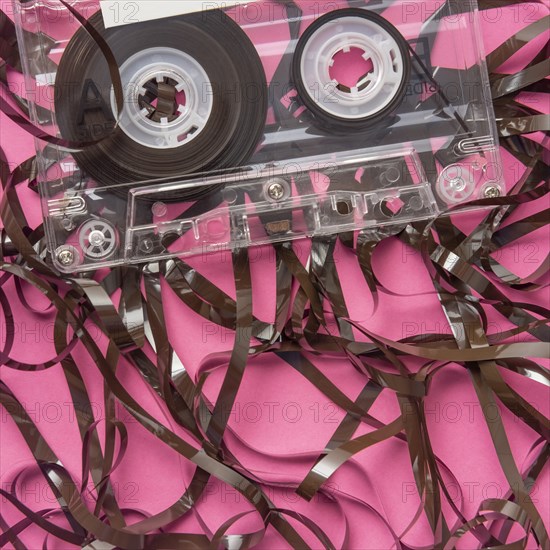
376,92
145,71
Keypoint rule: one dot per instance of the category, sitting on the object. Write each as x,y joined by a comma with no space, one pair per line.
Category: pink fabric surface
280,422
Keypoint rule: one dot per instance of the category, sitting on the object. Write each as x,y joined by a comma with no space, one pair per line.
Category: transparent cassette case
184,132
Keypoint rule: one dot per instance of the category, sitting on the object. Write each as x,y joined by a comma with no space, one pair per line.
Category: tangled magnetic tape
257,123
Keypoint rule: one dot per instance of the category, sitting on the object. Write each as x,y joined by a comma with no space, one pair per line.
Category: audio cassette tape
178,128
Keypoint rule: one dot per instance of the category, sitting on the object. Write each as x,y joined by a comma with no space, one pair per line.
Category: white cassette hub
375,90
190,81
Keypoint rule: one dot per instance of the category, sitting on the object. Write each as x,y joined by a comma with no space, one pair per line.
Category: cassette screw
65,257
276,191
491,192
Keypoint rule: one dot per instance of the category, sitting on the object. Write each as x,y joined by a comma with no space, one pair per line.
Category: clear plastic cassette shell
411,135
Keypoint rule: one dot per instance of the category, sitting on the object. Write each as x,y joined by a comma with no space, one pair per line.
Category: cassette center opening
351,68
168,98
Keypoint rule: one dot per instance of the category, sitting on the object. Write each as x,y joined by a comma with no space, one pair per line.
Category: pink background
281,423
